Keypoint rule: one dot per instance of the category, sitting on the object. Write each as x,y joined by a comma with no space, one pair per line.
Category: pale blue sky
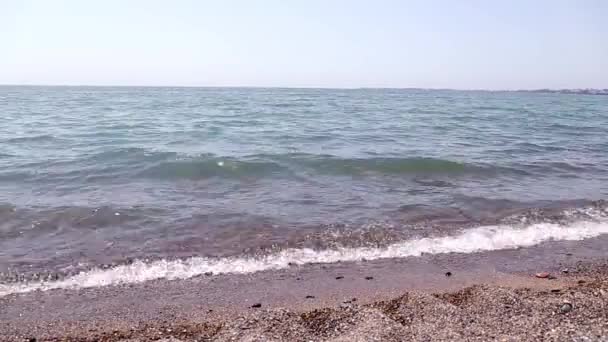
308,43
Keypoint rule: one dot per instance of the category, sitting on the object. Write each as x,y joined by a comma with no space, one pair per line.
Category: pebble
310,297
565,270
448,274
369,278
208,274
257,305
542,275
339,277
565,308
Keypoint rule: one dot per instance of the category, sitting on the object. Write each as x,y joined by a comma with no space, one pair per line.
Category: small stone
339,277
556,290
565,270
542,275
369,278
551,277
448,274
31,339
310,297
208,274
116,214
257,305
581,282
565,308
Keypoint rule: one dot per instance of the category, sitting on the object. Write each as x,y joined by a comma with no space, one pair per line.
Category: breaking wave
479,239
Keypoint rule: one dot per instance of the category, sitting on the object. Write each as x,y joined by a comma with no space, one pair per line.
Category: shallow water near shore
104,186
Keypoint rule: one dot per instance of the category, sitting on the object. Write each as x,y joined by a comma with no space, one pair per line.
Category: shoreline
491,295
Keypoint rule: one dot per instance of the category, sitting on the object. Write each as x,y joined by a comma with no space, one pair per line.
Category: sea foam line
486,238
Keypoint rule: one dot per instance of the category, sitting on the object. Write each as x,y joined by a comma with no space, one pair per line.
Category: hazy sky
325,43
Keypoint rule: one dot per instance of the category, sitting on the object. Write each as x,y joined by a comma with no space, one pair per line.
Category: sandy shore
489,296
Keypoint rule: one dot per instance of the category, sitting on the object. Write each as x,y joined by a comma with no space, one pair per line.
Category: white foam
473,240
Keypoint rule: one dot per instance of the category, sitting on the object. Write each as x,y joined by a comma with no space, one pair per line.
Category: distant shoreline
569,91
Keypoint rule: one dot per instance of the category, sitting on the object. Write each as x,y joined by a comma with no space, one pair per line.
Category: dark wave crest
130,163
289,164
201,168
33,139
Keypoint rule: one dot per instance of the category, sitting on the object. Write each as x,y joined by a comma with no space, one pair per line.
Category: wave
35,138
388,165
263,165
210,167
138,163
473,240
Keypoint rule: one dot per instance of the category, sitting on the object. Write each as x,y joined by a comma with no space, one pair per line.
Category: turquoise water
98,174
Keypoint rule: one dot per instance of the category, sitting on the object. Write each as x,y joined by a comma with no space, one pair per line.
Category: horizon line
291,87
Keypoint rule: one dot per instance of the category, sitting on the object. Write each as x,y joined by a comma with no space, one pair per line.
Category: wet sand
488,296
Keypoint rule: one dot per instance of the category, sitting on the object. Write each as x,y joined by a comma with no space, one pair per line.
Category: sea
102,186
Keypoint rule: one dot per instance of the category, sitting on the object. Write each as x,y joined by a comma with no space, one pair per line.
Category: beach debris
543,275
565,308
448,274
369,278
565,270
339,277
257,305
116,214
348,303
310,297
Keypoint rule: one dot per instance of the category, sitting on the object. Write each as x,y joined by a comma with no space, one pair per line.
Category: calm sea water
91,175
